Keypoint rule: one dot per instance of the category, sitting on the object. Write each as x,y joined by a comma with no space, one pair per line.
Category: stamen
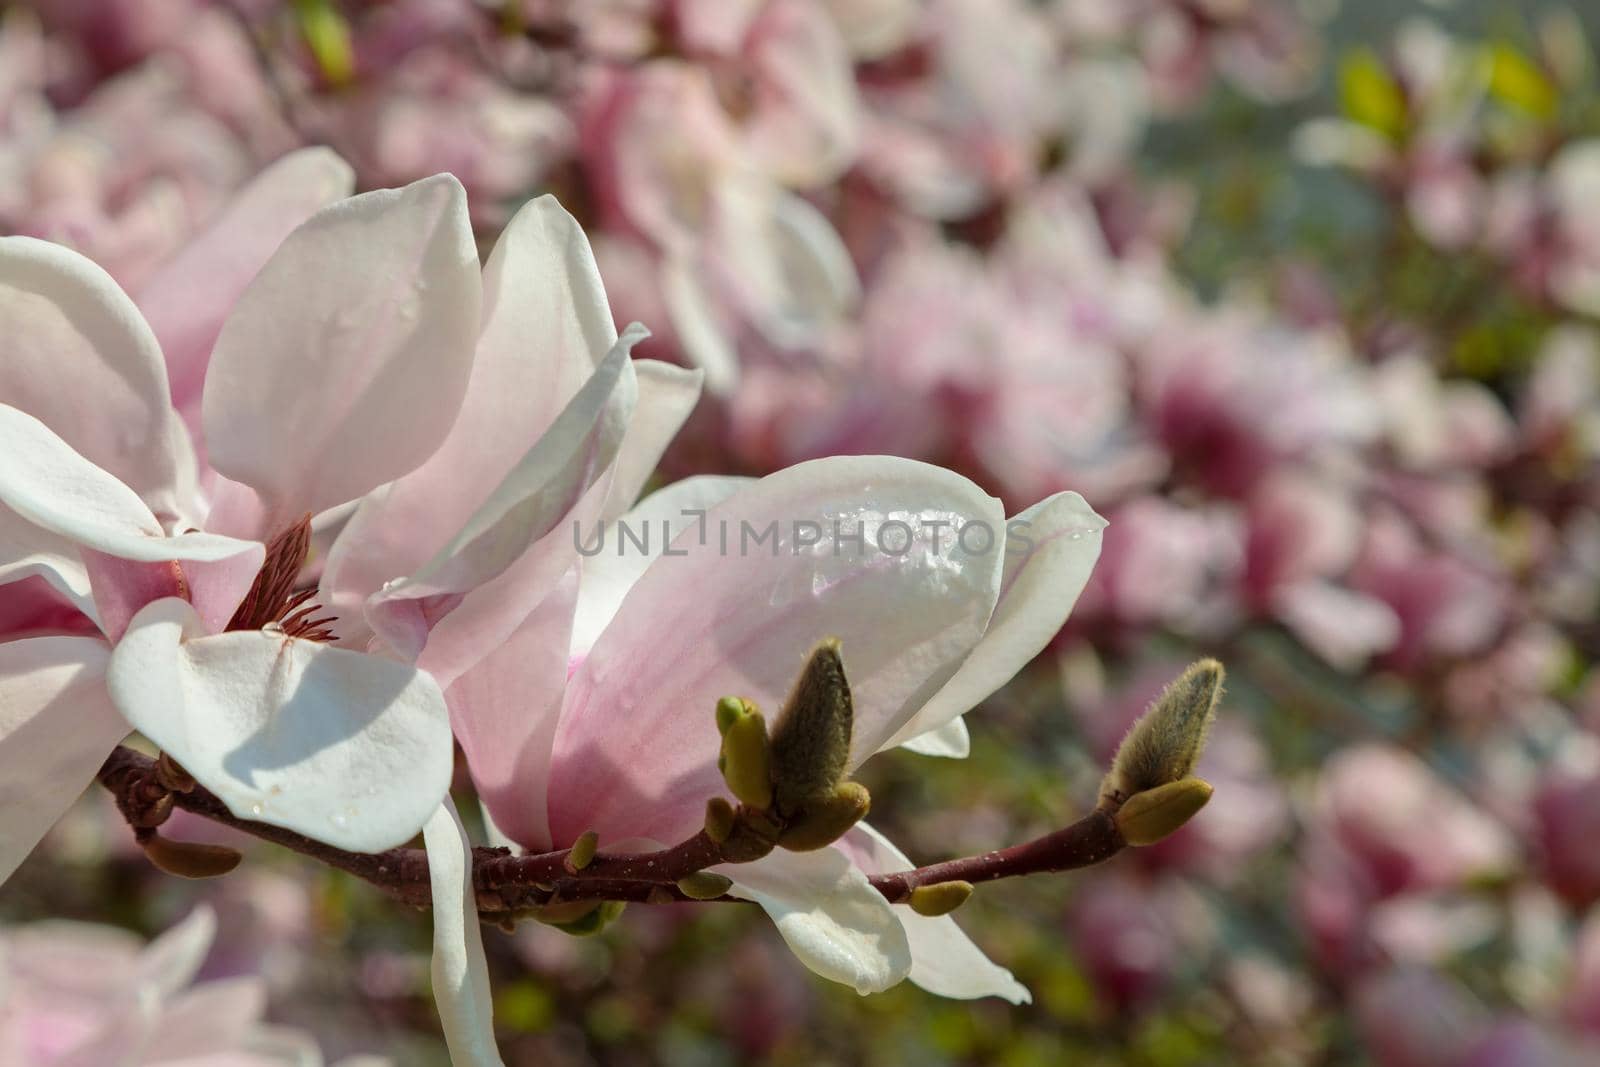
272,600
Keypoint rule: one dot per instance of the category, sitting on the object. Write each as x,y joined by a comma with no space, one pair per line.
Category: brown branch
507,884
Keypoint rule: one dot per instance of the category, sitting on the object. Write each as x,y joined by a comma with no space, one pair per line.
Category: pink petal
56,727
79,357
345,361
635,752
504,713
189,297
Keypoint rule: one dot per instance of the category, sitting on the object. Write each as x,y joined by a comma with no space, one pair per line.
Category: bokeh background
1301,294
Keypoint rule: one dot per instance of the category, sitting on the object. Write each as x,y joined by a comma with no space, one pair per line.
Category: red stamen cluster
272,599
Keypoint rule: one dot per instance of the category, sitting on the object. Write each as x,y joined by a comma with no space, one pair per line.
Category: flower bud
730,710
939,899
811,740
1149,816
746,762
824,820
189,859
704,885
719,819
1166,742
579,918
581,854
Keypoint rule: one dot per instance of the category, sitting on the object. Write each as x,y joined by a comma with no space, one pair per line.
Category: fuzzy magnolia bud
189,859
704,885
746,761
939,899
811,740
1166,742
823,820
1149,816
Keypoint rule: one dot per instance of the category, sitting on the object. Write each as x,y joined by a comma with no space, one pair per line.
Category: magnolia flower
737,255
935,602
77,994
354,358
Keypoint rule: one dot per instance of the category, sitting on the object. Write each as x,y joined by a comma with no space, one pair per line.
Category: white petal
46,482
56,728
701,335
344,363
1050,550
830,916
460,971
343,747
79,357
944,959
546,330
542,488
611,567
950,741
667,394
27,551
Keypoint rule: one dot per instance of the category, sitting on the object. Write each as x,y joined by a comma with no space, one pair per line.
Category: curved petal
46,482
345,361
864,549
170,962
56,728
698,326
79,357
504,712
544,486
189,297
624,549
460,970
829,915
950,741
30,551
546,329
346,748
1050,550
943,959
667,394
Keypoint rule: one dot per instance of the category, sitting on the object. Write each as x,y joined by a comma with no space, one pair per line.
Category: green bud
939,899
327,35
580,918
746,761
1149,816
811,740
704,885
730,710
581,854
823,821
719,819
189,859
1166,742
